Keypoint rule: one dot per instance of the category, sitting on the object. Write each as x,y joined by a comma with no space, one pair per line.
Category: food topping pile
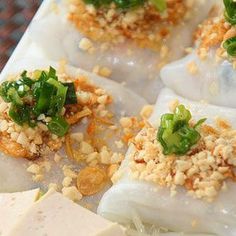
39,97
38,108
115,21
127,4
41,112
207,157
99,163
175,133
219,32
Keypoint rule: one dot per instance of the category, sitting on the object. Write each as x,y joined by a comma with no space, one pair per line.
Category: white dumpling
138,70
209,77
155,205
214,82
125,103
13,175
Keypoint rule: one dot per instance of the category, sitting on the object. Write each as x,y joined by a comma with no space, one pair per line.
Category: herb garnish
159,4
175,134
230,15
42,94
230,11
127,4
230,46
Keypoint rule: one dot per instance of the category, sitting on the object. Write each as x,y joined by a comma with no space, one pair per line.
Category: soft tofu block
13,206
56,215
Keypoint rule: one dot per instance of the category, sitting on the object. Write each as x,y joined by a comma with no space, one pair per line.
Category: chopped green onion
230,11
52,73
175,134
181,113
15,115
20,115
58,101
41,94
14,97
230,46
58,126
127,4
43,77
160,4
71,97
199,123
98,3
230,15
4,91
47,91
26,80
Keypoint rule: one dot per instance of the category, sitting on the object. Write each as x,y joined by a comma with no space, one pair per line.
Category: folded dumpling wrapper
125,103
59,39
13,206
54,215
213,82
154,205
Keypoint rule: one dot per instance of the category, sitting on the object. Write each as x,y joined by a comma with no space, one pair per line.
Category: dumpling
53,154
136,52
207,73
188,192
10,170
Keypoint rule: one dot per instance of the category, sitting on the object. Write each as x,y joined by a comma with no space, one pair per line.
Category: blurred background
15,16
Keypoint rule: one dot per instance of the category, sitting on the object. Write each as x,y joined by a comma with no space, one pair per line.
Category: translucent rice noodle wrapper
214,81
138,70
13,175
125,102
209,77
154,205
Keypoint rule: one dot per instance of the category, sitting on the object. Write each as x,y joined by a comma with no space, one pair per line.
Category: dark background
15,15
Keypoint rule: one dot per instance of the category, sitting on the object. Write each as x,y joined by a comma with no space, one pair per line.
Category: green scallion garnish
175,134
230,46
230,15
127,4
58,126
159,4
42,94
71,97
230,11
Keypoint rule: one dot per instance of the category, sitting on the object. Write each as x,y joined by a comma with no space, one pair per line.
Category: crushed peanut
31,143
145,25
85,44
87,147
146,112
72,193
211,35
203,171
102,71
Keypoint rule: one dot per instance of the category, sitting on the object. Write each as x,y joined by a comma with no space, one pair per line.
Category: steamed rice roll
127,44
208,72
179,172
62,121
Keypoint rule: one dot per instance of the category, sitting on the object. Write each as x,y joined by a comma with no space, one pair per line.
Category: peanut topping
145,25
211,35
26,142
203,171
